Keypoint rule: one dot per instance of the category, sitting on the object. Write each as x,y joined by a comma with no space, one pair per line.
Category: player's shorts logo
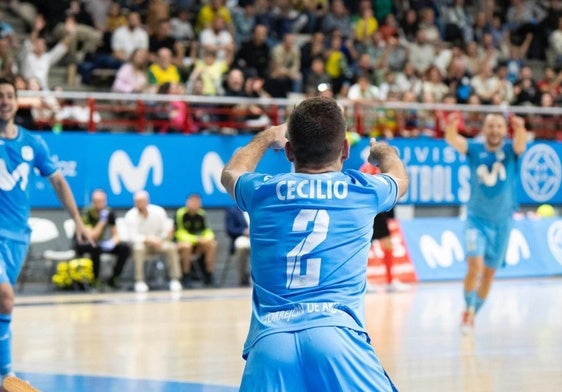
554,239
541,172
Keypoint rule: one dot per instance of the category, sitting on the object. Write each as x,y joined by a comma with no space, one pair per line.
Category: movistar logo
490,178
8,181
211,170
444,254
123,172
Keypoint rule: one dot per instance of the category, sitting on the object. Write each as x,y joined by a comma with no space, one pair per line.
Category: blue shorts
316,359
12,257
487,239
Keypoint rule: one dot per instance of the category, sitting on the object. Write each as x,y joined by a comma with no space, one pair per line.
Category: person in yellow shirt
208,12
162,70
366,25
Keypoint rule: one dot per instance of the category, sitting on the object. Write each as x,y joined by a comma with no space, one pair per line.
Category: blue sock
5,344
470,298
478,302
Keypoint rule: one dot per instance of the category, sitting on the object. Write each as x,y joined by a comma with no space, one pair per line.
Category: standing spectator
99,220
37,61
163,70
285,67
151,233
132,76
23,153
194,235
238,229
491,205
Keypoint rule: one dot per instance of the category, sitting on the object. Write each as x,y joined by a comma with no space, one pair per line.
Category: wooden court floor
192,341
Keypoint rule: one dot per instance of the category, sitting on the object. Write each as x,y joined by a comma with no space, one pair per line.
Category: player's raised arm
452,136
247,158
519,134
386,158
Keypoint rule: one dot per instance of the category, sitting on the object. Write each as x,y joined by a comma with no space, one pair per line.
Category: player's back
310,237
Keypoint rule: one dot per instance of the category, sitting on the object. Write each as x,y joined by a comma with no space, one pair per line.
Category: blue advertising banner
436,248
170,167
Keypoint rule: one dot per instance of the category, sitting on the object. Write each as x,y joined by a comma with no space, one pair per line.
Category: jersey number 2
301,270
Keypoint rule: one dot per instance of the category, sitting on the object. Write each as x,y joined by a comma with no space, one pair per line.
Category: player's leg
273,365
170,250
475,243
139,257
12,257
496,249
341,359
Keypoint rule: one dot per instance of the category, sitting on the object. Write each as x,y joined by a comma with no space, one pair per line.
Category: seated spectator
546,126
525,90
163,70
433,84
551,82
181,27
421,53
244,21
209,12
316,76
367,24
34,112
285,75
6,31
194,235
151,234
458,22
310,50
8,63
363,90
162,38
337,19
555,41
124,41
429,26
210,72
218,39
237,228
254,53
472,119
132,76
99,221
37,61
175,113
485,84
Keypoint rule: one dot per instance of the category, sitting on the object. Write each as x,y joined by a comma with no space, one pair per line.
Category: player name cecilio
311,189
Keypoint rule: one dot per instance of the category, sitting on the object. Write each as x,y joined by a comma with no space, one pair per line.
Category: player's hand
517,122
452,122
277,136
82,235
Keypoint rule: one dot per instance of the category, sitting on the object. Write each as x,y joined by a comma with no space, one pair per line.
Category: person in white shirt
219,39
150,233
36,60
126,39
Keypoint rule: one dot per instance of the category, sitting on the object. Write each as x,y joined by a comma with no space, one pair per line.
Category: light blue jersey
492,202
310,236
493,180
18,158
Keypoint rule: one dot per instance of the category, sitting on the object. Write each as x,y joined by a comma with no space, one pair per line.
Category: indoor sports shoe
141,287
467,323
175,285
397,286
15,384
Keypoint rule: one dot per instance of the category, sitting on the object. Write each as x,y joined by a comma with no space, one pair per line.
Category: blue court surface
83,383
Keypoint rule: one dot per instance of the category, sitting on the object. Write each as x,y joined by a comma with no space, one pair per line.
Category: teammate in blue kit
20,153
310,236
493,179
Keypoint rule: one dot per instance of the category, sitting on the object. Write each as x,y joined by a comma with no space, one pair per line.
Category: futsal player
20,154
493,163
310,236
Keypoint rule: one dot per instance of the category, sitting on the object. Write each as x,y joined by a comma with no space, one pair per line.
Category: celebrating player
493,176
310,236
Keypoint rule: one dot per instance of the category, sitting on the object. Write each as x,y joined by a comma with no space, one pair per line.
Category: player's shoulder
27,137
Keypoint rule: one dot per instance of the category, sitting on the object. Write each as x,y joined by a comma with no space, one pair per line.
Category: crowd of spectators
434,51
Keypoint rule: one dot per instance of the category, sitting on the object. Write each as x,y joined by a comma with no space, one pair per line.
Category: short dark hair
316,131
10,82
